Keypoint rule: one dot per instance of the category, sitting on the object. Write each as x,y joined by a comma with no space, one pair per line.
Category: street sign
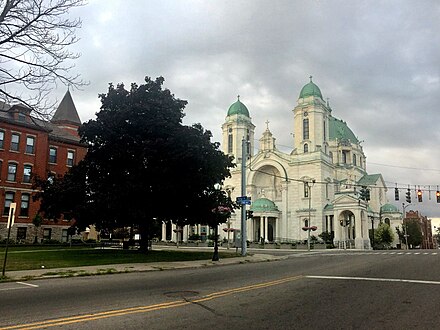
11,216
243,200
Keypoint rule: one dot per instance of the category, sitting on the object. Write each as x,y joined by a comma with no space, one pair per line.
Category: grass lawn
33,258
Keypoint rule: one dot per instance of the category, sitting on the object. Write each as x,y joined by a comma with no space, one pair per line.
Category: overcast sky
378,62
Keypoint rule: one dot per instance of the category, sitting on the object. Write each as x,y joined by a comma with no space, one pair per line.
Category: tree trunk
144,239
215,255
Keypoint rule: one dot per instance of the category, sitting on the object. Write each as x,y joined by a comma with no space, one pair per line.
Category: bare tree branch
35,36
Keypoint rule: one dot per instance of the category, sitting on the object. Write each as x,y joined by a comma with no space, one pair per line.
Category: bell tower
237,125
311,121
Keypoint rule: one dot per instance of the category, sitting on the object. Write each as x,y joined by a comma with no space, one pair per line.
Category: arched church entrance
348,222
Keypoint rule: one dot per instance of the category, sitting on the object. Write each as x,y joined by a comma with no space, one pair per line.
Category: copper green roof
238,108
368,179
388,208
263,205
328,207
310,90
338,130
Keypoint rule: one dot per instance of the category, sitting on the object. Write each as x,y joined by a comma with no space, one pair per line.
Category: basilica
321,184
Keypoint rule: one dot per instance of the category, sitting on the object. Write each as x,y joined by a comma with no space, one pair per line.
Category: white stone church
318,184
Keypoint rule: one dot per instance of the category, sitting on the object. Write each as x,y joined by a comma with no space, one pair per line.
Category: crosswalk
359,253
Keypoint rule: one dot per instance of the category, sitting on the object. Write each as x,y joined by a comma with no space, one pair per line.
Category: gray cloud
377,62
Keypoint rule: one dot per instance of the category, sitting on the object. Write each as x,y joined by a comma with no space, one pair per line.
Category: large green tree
143,165
383,235
412,229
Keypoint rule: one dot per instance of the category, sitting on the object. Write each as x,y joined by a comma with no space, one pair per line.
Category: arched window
331,156
387,221
354,160
306,148
306,129
306,222
344,157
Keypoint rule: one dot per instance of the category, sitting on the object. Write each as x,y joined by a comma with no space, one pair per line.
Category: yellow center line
149,308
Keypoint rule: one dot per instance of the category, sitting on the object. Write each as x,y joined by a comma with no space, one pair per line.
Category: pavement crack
213,311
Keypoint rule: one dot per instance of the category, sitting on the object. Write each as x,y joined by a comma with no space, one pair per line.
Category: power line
406,167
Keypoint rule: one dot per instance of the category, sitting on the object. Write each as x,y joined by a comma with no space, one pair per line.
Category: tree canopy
383,235
412,229
142,165
34,50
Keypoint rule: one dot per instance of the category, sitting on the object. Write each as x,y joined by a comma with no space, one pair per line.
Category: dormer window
21,117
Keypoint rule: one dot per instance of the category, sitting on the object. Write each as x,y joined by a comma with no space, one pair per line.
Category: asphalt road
340,290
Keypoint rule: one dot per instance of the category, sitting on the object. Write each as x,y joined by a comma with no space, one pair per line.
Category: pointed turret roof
66,111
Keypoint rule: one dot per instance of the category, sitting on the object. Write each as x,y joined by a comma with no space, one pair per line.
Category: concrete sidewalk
24,275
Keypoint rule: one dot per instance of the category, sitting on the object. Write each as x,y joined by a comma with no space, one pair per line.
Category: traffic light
249,214
419,196
396,194
363,193
437,194
408,196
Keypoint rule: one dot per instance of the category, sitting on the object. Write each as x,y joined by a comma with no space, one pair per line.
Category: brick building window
27,173
15,141
30,145
24,205
47,233
21,233
64,236
12,172
9,198
52,155
2,139
70,157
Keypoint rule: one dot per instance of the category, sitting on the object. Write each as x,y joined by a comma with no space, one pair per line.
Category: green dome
238,108
338,130
263,205
389,208
310,90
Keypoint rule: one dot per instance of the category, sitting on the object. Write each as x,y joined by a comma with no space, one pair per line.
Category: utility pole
243,193
309,191
404,225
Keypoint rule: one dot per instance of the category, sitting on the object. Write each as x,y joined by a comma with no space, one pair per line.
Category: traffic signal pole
243,193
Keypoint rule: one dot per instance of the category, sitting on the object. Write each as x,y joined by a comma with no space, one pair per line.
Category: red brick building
30,146
425,226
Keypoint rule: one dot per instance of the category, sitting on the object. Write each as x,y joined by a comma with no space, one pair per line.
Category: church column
283,221
339,233
185,233
359,240
266,229
173,233
261,228
250,227
164,231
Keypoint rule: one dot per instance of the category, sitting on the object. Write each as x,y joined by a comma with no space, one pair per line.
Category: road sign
243,200
11,216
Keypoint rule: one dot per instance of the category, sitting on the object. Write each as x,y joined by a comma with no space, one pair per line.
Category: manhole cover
181,294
